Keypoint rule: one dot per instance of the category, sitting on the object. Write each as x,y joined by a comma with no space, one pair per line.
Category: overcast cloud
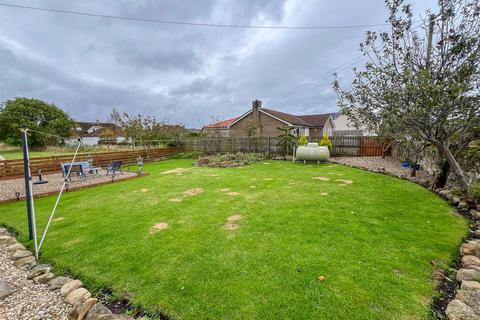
187,74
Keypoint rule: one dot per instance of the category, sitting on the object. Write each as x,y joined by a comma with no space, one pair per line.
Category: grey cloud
90,65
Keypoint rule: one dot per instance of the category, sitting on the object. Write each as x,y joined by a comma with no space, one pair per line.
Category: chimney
256,104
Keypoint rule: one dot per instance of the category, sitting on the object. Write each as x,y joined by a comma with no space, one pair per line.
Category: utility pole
431,25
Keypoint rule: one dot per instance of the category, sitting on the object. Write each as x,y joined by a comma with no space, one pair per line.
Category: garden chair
114,167
76,169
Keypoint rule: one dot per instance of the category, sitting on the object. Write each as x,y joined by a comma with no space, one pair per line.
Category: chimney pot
256,104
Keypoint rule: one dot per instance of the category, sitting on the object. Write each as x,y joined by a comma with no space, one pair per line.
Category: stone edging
71,290
466,302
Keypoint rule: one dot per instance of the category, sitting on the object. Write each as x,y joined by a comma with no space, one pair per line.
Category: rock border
85,307
464,298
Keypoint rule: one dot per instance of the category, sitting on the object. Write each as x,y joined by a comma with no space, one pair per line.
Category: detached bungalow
263,122
94,133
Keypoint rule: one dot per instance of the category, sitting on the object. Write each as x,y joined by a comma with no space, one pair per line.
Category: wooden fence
14,168
342,145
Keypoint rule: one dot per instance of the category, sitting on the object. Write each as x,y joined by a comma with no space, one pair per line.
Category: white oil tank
312,152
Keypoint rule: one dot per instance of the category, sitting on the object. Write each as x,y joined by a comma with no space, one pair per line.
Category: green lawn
17,154
373,240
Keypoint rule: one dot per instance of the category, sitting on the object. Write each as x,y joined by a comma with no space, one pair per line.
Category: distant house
94,133
344,126
263,122
219,129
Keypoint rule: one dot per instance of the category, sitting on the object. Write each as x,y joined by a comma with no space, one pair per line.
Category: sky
184,74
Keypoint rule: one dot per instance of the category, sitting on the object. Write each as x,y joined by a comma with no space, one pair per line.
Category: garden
269,240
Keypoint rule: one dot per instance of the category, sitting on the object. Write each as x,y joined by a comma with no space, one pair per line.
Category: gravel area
30,301
55,180
388,165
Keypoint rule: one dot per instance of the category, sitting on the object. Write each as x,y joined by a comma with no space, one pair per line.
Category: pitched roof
316,120
102,126
311,120
220,124
290,118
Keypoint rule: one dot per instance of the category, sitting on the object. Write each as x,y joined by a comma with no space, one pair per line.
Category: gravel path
388,164
30,301
55,181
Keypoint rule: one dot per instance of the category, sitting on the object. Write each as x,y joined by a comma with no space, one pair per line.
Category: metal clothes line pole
32,227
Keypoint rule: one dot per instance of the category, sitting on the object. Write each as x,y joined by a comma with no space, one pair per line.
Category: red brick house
263,122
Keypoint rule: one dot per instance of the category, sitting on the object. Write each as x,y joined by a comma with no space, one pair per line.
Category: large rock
474,267
27,261
19,254
471,247
86,306
79,295
58,282
455,200
38,270
445,193
69,287
6,289
468,274
457,310
475,214
96,311
470,298
15,247
462,205
7,240
470,260
4,232
44,278
470,285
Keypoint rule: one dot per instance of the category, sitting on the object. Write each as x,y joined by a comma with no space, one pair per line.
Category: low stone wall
84,306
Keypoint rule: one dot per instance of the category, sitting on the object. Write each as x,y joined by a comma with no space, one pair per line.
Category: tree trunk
413,170
442,177
457,171
384,150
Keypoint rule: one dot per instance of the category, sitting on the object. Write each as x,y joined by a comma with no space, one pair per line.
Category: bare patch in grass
144,190
224,190
158,227
176,170
231,226
345,181
175,200
211,175
233,193
234,218
268,179
324,194
192,192
321,178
